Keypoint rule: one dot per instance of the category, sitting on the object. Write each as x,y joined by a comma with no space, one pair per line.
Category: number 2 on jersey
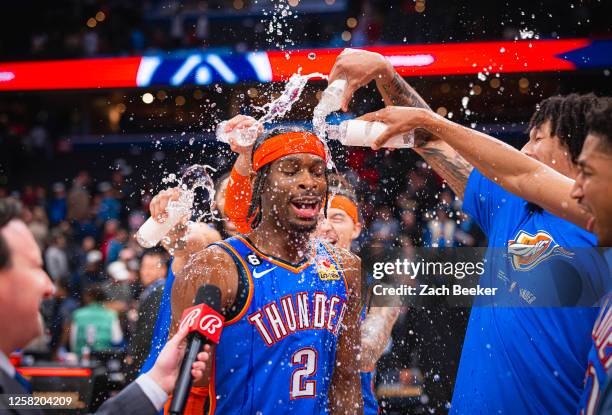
301,387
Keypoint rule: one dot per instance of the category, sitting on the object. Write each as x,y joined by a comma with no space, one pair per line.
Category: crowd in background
108,27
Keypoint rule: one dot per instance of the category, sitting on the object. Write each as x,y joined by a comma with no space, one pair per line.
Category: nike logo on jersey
257,275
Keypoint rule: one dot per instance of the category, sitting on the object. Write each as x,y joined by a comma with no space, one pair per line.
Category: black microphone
205,323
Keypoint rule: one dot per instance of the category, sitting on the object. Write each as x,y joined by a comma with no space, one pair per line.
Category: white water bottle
151,232
243,136
331,98
364,133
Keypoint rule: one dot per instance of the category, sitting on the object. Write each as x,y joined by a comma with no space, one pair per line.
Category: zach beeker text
429,290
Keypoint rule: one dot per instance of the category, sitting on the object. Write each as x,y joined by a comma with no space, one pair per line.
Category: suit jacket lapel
10,386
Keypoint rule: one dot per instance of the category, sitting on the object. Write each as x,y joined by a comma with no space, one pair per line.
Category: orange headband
287,143
345,204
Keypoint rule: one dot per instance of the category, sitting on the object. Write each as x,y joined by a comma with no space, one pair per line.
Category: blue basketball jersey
599,370
278,354
162,324
370,403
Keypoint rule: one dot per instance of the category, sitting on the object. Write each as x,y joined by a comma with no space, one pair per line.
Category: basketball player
292,307
586,201
510,362
340,228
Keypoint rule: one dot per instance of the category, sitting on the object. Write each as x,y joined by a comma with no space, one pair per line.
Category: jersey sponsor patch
253,259
527,250
327,270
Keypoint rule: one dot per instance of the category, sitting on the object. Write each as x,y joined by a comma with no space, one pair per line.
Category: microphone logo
190,318
210,323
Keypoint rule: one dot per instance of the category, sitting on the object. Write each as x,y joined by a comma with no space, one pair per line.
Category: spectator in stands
88,244
79,199
408,225
110,229
94,326
109,205
440,231
93,273
153,269
60,309
116,244
28,197
56,260
384,227
39,226
57,206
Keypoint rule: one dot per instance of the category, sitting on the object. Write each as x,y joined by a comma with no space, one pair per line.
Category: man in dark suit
23,286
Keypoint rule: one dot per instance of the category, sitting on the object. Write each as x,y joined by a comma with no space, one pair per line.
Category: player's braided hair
599,122
9,209
567,116
259,185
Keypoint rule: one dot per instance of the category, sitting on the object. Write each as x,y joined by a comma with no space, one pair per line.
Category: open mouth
329,237
306,207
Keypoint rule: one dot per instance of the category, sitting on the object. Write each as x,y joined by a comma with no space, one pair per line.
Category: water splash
197,177
274,110
193,178
279,107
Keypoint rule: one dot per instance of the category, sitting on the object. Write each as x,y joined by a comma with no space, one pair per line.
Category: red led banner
444,59
205,68
69,74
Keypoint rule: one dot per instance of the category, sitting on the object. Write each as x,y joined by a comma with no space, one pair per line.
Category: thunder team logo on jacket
529,250
277,354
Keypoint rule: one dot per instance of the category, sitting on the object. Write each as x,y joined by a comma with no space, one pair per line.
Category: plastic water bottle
151,232
243,137
331,98
364,133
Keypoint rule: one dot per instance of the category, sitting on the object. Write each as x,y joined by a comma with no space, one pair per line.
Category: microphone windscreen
209,295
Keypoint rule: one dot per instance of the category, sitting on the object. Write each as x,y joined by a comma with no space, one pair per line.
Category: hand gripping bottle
331,98
364,133
243,137
151,232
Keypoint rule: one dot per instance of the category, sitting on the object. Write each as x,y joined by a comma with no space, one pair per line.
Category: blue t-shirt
526,359
162,324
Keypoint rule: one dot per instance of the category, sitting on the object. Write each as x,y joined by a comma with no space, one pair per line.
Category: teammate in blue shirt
507,349
514,359
587,201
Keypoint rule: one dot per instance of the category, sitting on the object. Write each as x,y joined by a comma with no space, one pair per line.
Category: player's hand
168,363
399,120
240,122
159,203
359,67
